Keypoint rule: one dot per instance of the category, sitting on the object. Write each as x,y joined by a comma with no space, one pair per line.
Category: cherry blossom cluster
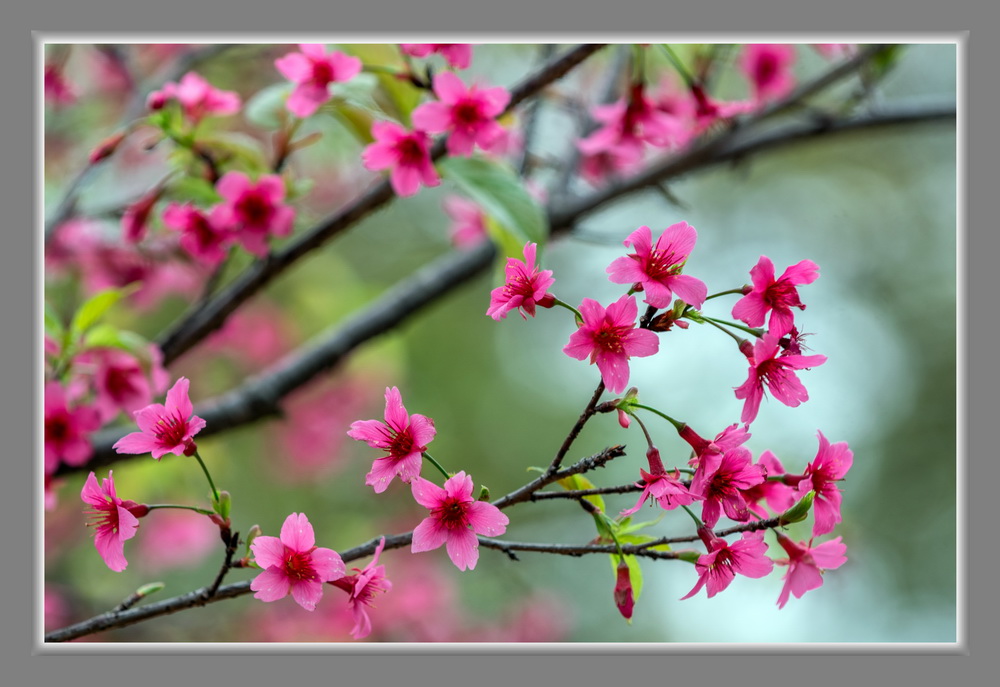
723,475
455,516
290,563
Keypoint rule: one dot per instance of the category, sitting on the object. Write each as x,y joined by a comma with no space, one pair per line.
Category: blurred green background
876,211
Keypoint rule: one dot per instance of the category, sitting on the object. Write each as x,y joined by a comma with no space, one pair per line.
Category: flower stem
724,293
436,464
215,492
569,307
678,65
678,425
738,340
694,517
755,332
203,511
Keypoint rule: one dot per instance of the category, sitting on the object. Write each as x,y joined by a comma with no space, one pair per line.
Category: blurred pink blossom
458,55
252,211
768,67
175,539
198,98
67,427
405,153
468,114
468,221
312,70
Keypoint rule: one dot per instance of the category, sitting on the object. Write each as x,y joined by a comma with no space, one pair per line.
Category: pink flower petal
463,549
297,533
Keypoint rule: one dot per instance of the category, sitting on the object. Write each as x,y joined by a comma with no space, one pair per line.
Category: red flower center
782,293
467,113
298,565
452,514
410,152
610,337
402,444
322,73
661,264
766,69
171,430
56,429
253,209
120,383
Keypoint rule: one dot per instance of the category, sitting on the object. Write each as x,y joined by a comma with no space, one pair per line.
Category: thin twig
199,322
259,397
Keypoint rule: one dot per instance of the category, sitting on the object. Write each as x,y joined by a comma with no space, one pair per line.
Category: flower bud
623,591
254,532
546,301
151,588
484,493
799,511
106,147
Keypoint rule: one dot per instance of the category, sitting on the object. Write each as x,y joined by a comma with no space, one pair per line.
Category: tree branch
201,321
259,397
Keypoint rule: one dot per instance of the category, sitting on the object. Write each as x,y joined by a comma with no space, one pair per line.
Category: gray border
95,17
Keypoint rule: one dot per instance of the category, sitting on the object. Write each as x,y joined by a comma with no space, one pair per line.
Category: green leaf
516,216
266,108
626,526
402,95
189,189
93,309
240,147
107,336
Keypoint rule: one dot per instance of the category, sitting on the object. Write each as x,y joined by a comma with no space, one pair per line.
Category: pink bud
623,419
106,147
623,591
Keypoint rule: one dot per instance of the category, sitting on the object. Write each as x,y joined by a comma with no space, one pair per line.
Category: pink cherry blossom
468,114
458,55
657,269
67,429
525,287
778,495
455,520
202,238
293,563
114,520
721,482
176,539
602,161
705,450
778,372
165,429
778,296
252,211
406,153
313,70
468,227
665,487
806,565
198,98
404,437
361,588
768,66
830,465
719,567
630,123
610,338
121,381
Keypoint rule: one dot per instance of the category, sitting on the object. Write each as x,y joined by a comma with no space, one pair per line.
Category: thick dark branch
201,597
205,319
549,476
260,396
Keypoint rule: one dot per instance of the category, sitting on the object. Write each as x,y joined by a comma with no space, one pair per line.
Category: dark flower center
661,264
452,514
322,73
767,67
410,151
254,209
467,113
610,337
56,429
782,293
171,430
298,565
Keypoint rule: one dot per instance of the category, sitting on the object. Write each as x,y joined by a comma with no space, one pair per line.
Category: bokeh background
876,211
